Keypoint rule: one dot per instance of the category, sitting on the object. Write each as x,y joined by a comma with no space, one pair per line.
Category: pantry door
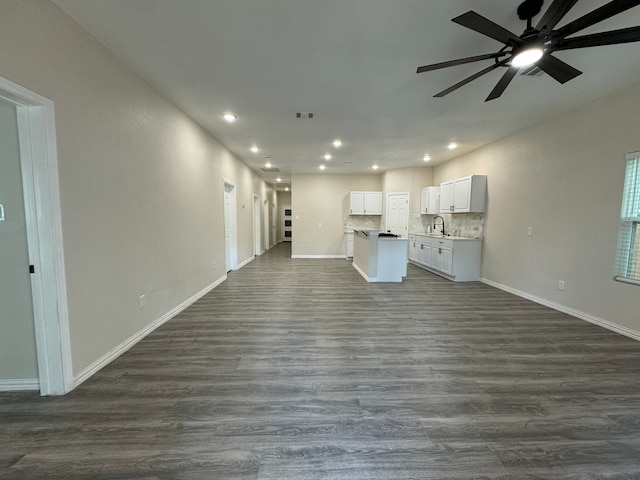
398,214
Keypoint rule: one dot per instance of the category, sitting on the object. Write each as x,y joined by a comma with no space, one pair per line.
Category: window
628,256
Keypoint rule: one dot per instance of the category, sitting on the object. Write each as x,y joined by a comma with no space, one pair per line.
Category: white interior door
266,225
257,242
398,214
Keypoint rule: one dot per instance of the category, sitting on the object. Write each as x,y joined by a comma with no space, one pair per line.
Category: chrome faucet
434,223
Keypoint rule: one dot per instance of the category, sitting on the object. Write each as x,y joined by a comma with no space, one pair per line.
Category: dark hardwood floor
299,369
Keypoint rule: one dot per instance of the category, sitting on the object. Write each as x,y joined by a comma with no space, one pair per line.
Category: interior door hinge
32,269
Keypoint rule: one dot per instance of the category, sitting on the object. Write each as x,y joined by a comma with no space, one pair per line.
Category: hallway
299,369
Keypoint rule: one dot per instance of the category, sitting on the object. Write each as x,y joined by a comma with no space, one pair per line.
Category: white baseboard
318,256
19,384
135,338
245,262
364,275
627,332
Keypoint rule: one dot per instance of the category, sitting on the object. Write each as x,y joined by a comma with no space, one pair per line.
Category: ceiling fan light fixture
527,56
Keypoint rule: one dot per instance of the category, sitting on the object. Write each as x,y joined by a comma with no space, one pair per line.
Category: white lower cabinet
455,259
350,242
413,251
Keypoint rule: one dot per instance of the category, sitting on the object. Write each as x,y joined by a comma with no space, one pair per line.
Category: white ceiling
350,62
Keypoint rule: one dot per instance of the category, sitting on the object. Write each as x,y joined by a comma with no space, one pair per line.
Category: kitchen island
379,258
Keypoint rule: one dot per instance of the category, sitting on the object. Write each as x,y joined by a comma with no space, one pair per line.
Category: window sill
627,280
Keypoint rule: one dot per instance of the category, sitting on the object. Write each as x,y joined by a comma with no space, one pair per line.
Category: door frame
40,183
408,194
257,240
234,221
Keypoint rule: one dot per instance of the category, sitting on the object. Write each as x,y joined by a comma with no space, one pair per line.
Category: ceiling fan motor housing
529,9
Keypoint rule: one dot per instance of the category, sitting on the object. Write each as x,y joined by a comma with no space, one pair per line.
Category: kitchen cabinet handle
439,250
451,208
365,210
421,247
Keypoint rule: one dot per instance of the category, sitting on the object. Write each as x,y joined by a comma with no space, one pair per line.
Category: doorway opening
267,229
230,227
287,223
257,242
35,118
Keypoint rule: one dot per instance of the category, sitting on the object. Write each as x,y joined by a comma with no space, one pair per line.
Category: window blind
628,249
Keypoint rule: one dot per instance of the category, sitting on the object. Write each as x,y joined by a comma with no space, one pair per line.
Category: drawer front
441,242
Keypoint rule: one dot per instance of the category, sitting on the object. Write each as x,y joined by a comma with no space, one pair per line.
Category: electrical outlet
561,285
142,301
530,231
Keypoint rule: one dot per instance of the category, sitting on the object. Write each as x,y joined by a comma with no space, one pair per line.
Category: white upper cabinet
446,196
373,203
365,203
464,195
430,200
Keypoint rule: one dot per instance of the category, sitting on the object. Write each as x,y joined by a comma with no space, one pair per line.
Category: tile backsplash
362,221
459,224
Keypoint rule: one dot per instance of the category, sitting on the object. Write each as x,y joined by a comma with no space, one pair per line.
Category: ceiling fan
536,44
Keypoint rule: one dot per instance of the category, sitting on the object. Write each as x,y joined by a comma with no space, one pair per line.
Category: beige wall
141,183
411,180
563,178
318,199
17,338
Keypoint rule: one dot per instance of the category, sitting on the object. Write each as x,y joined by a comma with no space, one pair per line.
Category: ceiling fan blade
471,78
503,83
599,14
483,25
559,70
554,14
613,37
460,61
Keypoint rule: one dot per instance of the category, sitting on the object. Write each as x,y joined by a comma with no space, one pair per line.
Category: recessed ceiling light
375,167
229,117
452,146
337,143
327,156
254,149
286,189
426,157
322,167
278,179
267,165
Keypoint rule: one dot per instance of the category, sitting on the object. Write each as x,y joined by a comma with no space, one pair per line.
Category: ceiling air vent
304,114
270,169
532,71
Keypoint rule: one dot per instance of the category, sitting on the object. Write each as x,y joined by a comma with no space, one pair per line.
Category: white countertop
437,235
